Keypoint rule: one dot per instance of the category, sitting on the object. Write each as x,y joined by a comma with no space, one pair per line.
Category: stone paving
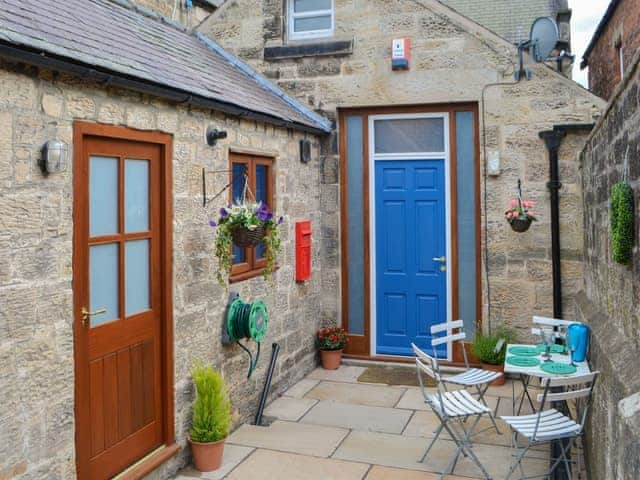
328,426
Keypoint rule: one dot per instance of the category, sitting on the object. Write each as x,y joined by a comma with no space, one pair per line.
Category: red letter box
303,250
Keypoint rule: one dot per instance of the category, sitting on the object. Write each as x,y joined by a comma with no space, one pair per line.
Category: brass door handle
86,314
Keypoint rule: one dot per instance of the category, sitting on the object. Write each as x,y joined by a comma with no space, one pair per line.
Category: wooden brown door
118,290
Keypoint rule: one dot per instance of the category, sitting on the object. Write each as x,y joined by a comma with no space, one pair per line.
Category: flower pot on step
331,359
207,457
496,368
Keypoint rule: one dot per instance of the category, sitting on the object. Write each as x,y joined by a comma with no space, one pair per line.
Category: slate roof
114,36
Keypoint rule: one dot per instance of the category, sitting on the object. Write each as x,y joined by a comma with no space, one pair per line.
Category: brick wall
452,61
36,298
611,301
604,63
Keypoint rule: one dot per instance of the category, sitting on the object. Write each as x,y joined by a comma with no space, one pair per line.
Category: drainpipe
553,140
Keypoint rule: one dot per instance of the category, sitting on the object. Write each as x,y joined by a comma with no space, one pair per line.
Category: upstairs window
310,19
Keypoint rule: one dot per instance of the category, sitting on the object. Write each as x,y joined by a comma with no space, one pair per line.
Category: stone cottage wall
610,304
453,59
36,299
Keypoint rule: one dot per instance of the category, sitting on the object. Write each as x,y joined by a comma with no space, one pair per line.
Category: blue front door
410,229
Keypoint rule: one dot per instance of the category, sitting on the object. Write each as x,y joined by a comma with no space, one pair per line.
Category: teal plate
524,351
554,348
523,361
558,368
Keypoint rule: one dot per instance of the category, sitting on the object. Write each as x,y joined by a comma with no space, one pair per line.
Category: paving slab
292,409
357,394
405,452
387,473
346,373
269,465
424,424
358,417
315,440
233,455
301,388
412,399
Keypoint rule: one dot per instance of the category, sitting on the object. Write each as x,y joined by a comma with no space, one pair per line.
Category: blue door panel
410,231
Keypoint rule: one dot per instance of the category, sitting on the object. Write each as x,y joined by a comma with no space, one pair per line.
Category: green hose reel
245,321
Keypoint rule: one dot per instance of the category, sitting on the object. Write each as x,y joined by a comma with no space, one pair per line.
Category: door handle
441,259
86,314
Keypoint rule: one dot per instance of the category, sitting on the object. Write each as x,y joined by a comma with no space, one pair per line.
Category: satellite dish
543,38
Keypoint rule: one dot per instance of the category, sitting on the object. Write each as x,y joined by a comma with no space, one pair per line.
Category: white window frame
292,15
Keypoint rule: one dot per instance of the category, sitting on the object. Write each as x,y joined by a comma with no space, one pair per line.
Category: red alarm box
303,250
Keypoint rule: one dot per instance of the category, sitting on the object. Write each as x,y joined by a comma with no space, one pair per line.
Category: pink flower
513,202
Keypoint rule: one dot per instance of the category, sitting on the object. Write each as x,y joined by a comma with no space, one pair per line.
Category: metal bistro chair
548,426
476,378
451,408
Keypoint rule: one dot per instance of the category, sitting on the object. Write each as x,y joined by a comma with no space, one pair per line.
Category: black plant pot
520,224
243,237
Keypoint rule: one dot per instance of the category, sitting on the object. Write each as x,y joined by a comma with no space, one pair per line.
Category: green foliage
331,338
211,419
484,346
622,222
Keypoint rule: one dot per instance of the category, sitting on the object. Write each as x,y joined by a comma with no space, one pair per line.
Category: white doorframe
446,154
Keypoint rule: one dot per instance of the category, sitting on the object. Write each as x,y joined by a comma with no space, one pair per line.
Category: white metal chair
550,425
451,408
476,378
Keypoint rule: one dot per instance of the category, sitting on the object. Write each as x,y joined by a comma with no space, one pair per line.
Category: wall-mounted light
213,135
54,157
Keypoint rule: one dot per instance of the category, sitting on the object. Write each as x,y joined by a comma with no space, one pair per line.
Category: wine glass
562,334
548,339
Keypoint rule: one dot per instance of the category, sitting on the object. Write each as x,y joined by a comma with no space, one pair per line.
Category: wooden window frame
253,266
310,34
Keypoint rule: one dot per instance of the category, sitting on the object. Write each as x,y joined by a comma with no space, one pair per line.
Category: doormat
394,376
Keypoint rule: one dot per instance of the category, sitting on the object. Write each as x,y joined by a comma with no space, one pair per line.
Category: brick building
612,47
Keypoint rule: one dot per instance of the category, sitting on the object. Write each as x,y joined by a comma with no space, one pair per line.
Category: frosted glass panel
311,5
136,196
103,282
355,225
136,276
409,135
103,196
311,24
467,222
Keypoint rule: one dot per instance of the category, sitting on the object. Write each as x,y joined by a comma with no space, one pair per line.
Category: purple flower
263,213
223,213
280,220
213,223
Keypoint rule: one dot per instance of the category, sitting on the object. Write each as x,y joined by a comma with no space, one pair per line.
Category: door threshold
397,361
148,463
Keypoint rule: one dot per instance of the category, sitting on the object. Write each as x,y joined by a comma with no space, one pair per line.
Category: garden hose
246,320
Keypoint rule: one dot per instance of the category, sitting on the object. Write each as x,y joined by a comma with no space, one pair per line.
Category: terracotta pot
207,457
331,359
495,368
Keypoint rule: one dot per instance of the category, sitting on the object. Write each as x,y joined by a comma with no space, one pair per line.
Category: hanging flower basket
520,224
520,213
245,237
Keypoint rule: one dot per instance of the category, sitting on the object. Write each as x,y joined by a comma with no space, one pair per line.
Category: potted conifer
211,419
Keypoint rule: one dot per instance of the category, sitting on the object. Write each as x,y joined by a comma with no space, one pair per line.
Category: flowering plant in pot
520,214
331,341
485,348
245,224
211,418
